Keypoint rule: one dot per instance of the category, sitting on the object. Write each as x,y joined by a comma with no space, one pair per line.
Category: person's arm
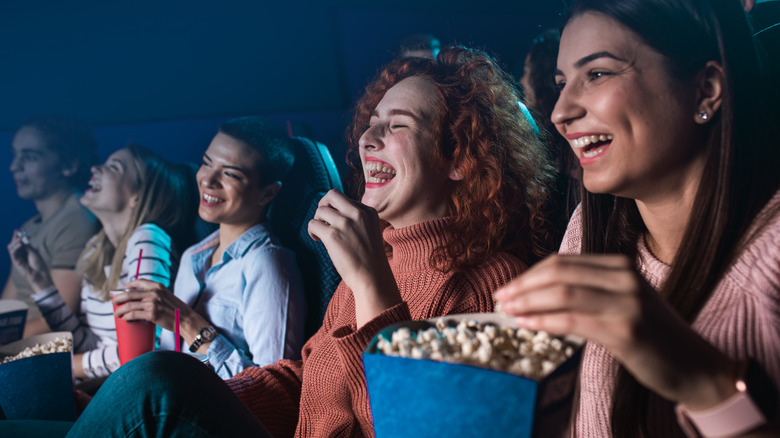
68,284
60,318
351,233
271,296
602,298
103,359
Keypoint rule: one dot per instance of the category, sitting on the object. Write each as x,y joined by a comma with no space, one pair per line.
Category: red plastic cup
134,337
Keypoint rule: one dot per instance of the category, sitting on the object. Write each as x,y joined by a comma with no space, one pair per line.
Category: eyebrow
590,58
28,150
118,162
206,156
398,112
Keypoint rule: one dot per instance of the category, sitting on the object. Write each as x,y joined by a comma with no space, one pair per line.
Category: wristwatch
753,404
206,334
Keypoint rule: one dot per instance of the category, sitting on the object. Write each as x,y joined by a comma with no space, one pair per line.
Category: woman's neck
666,220
666,209
115,225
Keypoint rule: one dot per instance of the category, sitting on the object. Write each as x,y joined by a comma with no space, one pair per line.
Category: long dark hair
739,177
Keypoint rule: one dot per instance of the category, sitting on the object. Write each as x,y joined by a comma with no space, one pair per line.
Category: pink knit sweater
325,393
741,318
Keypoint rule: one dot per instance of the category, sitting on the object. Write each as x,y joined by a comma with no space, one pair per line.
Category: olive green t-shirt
60,240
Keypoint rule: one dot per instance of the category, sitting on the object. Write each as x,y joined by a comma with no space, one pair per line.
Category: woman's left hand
604,299
351,233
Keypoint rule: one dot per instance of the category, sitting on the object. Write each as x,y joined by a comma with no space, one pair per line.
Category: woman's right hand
604,299
29,262
151,301
351,233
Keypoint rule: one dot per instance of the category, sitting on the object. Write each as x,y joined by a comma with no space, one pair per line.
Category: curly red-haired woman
453,184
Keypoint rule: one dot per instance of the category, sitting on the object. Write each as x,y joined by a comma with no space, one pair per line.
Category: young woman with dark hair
677,288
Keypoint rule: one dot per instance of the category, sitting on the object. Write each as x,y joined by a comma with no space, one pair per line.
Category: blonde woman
140,200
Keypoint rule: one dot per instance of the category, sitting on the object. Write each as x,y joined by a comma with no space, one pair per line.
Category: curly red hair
498,205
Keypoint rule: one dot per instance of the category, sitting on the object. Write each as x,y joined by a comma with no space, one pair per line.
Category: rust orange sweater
324,394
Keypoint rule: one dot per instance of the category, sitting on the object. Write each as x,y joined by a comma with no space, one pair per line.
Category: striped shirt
93,328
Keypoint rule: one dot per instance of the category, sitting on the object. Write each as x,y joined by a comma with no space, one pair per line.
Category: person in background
144,204
50,165
541,92
454,182
419,45
670,266
239,293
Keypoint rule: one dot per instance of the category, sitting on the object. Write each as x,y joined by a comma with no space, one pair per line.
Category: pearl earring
704,115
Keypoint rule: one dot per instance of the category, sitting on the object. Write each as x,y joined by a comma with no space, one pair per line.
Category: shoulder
262,242
73,222
208,242
572,239
149,235
758,264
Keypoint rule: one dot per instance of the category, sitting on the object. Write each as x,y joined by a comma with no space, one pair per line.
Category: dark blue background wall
165,74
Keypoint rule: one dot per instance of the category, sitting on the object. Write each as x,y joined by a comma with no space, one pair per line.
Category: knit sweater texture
741,318
325,394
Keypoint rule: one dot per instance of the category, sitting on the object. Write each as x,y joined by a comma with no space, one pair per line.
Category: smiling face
113,187
36,169
405,182
229,184
630,123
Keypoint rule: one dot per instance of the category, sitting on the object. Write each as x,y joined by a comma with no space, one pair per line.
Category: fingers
143,284
590,296
613,274
336,200
136,310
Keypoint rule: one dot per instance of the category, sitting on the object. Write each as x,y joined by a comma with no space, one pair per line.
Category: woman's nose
206,177
372,137
568,107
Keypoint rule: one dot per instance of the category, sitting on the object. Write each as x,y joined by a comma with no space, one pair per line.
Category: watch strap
199,338
734,416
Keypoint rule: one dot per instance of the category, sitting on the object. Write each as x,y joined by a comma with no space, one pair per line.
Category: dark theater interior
166,74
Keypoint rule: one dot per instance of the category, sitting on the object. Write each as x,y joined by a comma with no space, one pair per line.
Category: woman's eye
560,84
232,175
596,74
205,164
397,126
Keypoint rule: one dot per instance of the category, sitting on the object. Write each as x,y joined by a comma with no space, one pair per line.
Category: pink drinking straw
138,266
176,329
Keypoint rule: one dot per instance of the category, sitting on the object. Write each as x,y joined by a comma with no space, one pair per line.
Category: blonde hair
167,197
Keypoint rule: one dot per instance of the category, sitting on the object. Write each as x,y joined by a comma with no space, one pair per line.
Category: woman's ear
711,81
269,192
70,168
134,200
456,173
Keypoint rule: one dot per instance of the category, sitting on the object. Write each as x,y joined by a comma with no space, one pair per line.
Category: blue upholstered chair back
312,175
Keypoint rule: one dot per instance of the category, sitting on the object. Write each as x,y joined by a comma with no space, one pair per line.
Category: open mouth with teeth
378,173
94,186
211,200
591,146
